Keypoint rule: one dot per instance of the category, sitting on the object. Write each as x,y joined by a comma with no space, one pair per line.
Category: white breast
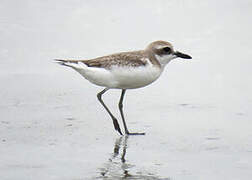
135,77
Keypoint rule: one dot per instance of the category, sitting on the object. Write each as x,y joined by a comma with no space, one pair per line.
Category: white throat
165,59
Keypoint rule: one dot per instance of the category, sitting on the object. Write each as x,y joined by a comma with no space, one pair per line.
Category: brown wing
121,59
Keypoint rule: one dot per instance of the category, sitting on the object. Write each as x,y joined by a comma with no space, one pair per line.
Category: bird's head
163,51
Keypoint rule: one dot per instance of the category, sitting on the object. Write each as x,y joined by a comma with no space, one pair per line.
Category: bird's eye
167,50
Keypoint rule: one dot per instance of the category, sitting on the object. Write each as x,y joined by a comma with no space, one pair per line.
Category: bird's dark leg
122,115
115,122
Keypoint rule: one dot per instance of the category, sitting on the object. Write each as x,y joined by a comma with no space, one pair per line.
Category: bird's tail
64,62
77,65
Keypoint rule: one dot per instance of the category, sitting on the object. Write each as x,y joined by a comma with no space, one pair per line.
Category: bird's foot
128,133
116,126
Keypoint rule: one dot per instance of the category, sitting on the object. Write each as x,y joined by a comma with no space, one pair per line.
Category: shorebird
125,70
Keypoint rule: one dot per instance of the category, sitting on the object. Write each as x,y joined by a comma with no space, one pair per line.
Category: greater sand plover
125,70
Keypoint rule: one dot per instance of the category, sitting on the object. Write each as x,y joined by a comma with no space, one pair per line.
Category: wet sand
64,133
197,116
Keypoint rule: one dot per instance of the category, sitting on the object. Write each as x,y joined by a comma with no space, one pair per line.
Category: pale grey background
197,116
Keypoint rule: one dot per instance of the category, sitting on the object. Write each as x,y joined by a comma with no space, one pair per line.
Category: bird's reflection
118,167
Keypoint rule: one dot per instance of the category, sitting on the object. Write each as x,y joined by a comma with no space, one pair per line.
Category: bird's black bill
181,55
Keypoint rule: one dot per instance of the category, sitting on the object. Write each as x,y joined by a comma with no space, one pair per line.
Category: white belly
135,77
122,77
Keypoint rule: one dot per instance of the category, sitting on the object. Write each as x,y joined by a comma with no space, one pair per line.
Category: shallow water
197,116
